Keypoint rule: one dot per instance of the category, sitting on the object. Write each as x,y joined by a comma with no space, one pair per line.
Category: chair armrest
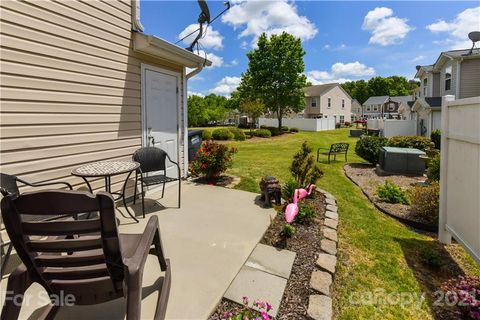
68,185
175,163
139,257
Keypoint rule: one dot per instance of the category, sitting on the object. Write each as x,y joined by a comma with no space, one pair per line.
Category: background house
82,83
328,100
357,110
384,106
455,73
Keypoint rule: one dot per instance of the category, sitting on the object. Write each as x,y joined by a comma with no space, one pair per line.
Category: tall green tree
275,74
205,110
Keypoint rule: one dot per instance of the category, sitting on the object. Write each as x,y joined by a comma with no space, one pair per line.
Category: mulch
368,180
306,244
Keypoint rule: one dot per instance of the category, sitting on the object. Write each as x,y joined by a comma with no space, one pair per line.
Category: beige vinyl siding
436,85
453,85
469,78
70,87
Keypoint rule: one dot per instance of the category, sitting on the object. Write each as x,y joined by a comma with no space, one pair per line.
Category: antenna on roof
475,37
204,17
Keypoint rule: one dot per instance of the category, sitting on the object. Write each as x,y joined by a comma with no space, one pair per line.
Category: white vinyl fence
302,124
460,173
390,127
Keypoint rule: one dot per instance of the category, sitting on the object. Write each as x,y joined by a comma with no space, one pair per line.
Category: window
369,108
425,87
329,103
375,108
342,119
391,106
448,78
314,102
343,103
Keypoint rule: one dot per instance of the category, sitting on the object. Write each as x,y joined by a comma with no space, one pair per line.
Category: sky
343,40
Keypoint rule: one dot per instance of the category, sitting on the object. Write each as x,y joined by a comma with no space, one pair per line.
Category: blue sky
343,40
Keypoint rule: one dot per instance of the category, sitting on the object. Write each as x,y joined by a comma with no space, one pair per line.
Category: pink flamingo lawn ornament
292,209
303,193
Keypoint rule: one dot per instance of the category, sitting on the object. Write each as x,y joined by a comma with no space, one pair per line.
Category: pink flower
264,315
245,301
269,306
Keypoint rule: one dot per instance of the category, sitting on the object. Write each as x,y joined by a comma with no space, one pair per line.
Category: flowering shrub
464,292
250,314
212,159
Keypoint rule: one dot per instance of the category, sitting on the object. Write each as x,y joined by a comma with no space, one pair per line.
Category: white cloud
216,60
193,93
333,48
458,29
385,28
271,17
211,40
340,72
226,86
418,58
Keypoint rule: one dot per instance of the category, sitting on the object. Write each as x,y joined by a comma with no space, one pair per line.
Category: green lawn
376,252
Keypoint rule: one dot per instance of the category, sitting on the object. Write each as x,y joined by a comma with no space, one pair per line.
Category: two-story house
456,73
328,100
357,110
384,106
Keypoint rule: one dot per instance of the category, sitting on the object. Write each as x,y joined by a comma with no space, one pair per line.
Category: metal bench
336,148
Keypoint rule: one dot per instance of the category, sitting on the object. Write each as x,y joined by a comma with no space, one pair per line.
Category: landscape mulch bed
306,244
227,181
368,180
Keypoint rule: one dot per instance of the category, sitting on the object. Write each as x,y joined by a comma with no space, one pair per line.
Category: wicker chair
153,159
103,265
9,186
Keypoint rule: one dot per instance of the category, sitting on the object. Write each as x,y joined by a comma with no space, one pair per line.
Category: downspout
136,24
195,71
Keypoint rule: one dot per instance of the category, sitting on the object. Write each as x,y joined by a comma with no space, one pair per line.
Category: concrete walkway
208,240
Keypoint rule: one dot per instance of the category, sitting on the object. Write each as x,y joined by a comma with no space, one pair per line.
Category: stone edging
408,222
320,305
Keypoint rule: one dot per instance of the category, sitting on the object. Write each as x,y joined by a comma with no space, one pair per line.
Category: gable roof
434,103
402,99
320,89
376,100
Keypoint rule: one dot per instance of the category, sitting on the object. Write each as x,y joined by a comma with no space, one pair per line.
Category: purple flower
264,315
269,306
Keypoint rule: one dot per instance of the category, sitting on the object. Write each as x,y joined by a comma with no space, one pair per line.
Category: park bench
336,148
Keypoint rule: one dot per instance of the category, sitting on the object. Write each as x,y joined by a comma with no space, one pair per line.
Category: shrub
263,126
304,168
464,292
288,230
368,147
238,134
284,129
347,124
222,134
417,142
207,134
274,131
212,159
432,257
433,170
288,189
294,130
263,133
391,193
306,212
436,136
425,201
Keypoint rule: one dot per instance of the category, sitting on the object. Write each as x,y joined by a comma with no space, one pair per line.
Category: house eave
159,48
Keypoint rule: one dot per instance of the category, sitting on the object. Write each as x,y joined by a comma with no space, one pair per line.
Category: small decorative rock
320,307
331,208
327,262
331,223
328,246
330,234
331,201
331,215
321,282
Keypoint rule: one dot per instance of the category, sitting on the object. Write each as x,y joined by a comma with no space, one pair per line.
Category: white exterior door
160,112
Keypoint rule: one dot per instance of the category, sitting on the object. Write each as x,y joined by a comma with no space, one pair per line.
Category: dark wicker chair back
150,159
8,184
83,258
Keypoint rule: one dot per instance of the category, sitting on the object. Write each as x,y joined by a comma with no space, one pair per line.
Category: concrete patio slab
272,260
256,284
207,241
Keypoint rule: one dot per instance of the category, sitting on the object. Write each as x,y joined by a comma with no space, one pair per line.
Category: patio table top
105,168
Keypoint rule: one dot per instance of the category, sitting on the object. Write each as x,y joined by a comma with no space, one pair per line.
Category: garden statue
271,190
303,193
291,210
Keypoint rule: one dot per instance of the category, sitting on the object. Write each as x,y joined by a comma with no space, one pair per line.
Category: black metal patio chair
9,185
153,159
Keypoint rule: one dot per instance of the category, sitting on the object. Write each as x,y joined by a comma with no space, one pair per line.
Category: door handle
150,137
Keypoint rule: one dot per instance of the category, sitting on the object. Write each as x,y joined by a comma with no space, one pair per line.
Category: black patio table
107,169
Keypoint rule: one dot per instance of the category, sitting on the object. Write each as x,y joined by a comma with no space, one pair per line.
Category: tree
205,110
253,108
275,74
